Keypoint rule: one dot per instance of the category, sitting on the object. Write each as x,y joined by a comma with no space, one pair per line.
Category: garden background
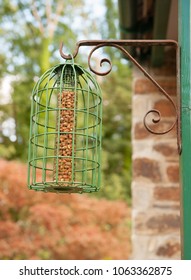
51,226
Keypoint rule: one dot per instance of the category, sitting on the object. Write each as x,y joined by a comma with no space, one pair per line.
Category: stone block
157,223
147,168
165,108
145,86
142,195
167,193
140,132
167,149
173,173
156,247
170,249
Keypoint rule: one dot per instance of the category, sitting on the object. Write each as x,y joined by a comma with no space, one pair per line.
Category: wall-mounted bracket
121,44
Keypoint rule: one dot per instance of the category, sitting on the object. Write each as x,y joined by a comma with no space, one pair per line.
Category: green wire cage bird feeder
65,131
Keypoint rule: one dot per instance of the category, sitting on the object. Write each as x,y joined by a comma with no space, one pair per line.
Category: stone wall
155,184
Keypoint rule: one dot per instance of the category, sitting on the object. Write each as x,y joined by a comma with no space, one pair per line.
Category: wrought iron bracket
121,44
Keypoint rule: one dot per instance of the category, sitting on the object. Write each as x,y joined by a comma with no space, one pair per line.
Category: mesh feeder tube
65,131
66,120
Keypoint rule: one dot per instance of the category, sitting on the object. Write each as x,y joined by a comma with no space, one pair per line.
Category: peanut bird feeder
65,131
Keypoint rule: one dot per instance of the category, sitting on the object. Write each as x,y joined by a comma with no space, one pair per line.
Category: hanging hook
69,56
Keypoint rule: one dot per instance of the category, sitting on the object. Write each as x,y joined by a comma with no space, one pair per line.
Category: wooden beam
127,20
184,18
161,16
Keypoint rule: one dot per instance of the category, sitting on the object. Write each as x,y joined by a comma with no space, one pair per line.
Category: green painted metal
185,44
65,131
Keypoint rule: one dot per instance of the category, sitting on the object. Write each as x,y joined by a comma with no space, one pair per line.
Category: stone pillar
155,183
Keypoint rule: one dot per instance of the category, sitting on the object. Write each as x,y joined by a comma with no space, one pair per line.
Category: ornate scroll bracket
121,44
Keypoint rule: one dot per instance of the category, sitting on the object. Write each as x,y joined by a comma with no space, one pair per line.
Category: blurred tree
30,33
50,226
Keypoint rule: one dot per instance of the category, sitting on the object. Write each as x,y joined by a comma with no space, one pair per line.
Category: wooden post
185,76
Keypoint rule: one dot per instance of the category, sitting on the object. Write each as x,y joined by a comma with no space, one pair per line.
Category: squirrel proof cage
65,131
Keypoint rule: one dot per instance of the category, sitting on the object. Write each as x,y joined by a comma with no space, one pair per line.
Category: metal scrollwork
120,44
102,61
